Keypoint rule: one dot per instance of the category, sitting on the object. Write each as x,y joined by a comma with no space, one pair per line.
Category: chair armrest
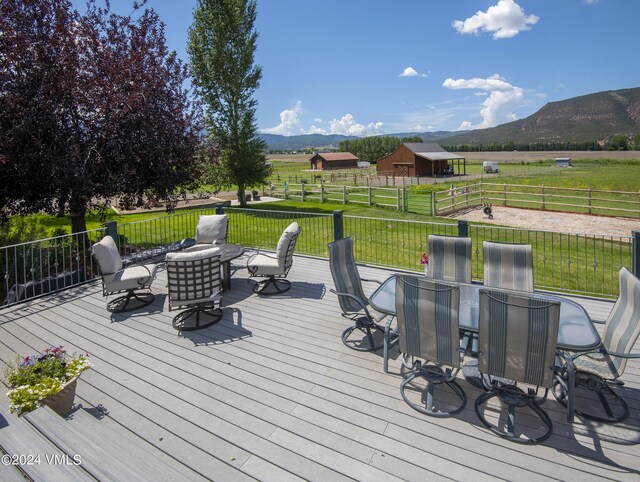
253,256
623,355
371,281
357,300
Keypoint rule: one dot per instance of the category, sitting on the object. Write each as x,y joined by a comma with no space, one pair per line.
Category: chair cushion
131,278
285,239
263,265
192,255
212,229
106,253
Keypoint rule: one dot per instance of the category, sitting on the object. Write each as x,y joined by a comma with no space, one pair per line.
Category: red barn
325,161
419,159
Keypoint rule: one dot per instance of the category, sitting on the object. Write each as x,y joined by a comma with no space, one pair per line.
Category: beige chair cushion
106,253
133,277
191,255
265,265
283,243
212,229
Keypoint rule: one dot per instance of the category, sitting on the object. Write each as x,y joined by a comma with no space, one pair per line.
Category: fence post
398,200
542,196
219,208
338,226
321,193
302,192
369,195
112,230
344,194
589,200
466,193
463,228
635,246
504,191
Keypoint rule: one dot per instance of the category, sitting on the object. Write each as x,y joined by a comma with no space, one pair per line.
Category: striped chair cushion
623,324
599,364
427,313
450,258
517,337
345,275
508,266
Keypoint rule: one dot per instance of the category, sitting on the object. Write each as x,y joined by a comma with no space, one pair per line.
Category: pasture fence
571,200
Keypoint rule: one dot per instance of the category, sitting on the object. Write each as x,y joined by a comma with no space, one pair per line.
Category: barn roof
337,156
432,152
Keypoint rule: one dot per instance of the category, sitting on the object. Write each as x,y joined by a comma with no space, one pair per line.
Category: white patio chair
275,267
116,279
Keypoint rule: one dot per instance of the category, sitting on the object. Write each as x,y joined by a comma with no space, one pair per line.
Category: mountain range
592,117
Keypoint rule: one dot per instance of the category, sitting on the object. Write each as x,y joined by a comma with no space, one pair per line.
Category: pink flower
424,259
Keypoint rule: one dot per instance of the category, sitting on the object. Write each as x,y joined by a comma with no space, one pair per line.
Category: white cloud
465,126
591,2
289,123
506,19
316,130
348,126
411,72
498,107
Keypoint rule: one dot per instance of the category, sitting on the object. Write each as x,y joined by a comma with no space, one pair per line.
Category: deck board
271,392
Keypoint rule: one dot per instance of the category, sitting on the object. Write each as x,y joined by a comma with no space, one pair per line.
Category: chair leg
190,320
604,393
121,304
514,398
364,326
280,285
433,376
390,339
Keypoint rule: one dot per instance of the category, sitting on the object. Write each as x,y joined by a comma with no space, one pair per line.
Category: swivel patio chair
194,282
517,343
598,371
449,258
508,266
354,303
428,333
211,230
116,279
275,267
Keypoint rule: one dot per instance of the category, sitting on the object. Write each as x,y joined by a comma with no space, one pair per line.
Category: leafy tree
411,139
636,142
370,148
92,106
618,142
222,44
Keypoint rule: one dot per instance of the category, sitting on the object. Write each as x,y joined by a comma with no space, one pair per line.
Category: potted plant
424,261
47,379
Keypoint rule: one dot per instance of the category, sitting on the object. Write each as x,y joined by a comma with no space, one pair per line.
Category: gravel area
554,221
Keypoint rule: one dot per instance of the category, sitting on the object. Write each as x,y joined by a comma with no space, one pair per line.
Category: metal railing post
338,225
463,228
112,230
636,251
219,208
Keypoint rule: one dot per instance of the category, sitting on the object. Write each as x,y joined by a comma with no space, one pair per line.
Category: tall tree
91,106
222,44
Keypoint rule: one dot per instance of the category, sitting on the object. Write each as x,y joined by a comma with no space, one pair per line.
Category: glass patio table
576,331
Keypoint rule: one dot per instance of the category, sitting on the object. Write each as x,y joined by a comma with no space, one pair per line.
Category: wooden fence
572,200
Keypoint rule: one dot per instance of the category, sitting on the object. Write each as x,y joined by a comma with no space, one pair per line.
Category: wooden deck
271,393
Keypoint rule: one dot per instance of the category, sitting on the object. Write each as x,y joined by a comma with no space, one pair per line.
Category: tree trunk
77,209
242,198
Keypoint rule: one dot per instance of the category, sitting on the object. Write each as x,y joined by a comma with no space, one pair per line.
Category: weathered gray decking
271,393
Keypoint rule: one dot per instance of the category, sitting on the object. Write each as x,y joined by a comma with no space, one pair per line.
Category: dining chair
508,266
275,267
355,304
429,341
193,280
134,281
517,343
449,258
598,371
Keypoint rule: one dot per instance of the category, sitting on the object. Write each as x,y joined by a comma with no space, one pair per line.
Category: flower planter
62,402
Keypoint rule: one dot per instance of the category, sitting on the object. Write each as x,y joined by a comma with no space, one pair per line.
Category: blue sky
364,67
